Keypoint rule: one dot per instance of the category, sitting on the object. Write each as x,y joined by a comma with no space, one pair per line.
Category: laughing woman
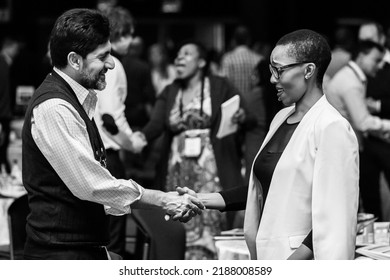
189,113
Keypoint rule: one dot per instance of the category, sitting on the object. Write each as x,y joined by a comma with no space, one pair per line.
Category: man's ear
309,71
74,60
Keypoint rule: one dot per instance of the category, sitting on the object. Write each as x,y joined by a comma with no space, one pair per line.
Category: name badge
192,146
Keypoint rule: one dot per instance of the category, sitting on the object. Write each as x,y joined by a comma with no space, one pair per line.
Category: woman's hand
239,116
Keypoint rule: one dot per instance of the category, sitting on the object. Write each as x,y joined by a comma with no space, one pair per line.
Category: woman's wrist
212,200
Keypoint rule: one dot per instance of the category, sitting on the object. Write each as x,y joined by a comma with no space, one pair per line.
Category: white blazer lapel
255,199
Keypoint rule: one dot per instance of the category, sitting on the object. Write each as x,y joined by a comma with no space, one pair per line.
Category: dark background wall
267,19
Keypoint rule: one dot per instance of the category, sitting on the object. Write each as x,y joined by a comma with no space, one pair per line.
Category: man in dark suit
139,103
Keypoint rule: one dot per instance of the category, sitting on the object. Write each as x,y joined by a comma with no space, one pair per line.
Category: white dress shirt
61,135
347,93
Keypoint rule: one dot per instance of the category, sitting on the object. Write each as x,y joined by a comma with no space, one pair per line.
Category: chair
160,240
17,214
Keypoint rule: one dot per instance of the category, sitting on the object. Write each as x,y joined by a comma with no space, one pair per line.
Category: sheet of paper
228,109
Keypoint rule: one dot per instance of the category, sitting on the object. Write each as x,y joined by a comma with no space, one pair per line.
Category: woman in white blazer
303,188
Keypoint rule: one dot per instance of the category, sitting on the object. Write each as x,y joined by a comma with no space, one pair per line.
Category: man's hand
138,141
374,106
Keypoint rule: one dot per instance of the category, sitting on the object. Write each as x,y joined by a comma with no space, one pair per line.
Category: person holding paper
188,112
302,197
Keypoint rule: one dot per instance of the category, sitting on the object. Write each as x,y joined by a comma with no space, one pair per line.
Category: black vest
56,216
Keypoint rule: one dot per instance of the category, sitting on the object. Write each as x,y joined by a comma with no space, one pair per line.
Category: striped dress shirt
239,67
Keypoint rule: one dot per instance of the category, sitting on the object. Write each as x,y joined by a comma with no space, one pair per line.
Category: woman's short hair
80,31
308,45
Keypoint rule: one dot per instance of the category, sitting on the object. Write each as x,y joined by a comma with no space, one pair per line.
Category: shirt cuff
127,209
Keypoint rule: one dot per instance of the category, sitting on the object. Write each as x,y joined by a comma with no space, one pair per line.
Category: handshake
185,207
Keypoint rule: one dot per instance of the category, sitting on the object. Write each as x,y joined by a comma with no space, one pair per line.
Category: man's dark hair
121,23
80,31
364,47
308,45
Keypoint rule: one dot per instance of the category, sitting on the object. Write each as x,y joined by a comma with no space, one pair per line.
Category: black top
268,158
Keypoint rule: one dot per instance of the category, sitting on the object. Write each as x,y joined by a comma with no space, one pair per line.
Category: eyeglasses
277,71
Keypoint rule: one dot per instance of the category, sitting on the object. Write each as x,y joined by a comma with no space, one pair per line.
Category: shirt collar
87,98
359,72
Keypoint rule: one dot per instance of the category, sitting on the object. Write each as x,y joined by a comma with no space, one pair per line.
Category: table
381,235
7,195
233,248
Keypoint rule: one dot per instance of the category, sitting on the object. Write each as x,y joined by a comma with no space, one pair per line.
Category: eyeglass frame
279,70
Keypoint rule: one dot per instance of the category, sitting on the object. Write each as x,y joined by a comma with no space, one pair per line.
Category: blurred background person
346,91
238,65
10,48
110,114
139,103
375,158
344,41
163,71
189,113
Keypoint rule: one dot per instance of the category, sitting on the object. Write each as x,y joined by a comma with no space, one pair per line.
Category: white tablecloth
234,249
4,233
7,196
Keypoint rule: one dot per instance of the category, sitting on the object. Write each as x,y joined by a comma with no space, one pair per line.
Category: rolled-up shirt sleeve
360,117
61,135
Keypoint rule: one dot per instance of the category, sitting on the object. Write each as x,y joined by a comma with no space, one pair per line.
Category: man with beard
70,191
